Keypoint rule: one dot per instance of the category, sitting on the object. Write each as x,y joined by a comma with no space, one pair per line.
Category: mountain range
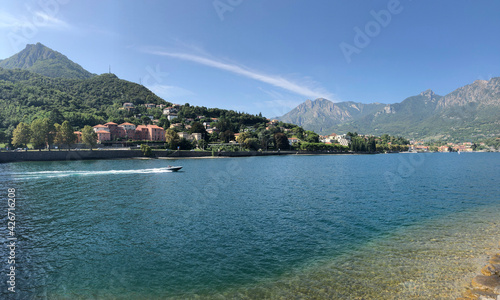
468,113
45,61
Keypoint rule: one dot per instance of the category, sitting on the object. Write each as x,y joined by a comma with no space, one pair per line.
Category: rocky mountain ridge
469,112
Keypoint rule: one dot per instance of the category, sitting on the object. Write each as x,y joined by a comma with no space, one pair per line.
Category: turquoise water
320,227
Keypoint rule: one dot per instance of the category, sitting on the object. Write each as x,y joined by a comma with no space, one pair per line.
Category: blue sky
268,55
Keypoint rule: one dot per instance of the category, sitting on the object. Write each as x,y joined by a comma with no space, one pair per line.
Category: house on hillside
172,116
170,110
128,106
190,137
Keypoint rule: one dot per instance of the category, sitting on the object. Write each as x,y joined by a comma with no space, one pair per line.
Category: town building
112,131
128,106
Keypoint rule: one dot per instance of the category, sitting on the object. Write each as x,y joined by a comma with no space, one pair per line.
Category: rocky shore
487,285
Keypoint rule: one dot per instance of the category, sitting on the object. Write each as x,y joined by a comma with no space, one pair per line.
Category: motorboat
174,168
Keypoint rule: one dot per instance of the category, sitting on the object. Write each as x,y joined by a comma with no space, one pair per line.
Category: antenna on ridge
109,69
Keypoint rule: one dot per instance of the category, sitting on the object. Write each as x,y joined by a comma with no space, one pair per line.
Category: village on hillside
111,132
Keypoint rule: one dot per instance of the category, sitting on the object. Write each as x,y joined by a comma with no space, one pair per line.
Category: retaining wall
117,154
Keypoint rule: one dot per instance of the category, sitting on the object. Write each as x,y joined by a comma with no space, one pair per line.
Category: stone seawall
120,154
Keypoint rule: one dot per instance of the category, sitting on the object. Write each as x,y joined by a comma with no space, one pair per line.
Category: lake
387,226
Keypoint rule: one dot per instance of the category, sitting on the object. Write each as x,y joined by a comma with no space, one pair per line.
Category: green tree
197,127
172,139
265,138
281,141
164,122
184,144
252,143
299,132
42,133
21,135
146,150
242,137
311,137
89,137
226,136
58,139
202,144
67,134
145,120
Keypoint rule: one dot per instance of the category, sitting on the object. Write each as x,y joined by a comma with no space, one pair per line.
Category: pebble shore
487,285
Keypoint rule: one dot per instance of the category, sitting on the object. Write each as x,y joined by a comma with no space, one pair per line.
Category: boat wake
59,174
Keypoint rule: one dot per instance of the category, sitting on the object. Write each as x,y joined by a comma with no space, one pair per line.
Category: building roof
154,126
126,123
111,123
100,126
102,131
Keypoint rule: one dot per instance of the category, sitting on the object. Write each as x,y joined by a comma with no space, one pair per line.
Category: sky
268,56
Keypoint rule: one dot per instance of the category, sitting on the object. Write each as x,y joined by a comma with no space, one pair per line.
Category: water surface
393,226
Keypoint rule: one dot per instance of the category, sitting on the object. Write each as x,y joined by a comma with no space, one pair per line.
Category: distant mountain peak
40,59
481,81
428,93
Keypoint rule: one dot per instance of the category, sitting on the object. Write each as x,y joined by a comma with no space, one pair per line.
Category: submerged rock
491,269
476,294
487,283
495,259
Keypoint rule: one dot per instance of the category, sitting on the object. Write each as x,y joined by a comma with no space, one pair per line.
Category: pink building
126,130
112,131
103,135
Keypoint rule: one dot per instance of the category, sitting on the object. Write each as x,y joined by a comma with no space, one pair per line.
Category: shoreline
6,157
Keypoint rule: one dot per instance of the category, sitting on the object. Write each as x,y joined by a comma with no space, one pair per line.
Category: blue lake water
316,227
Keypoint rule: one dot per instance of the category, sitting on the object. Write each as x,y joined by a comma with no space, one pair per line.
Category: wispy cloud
275,80
51,21
37,19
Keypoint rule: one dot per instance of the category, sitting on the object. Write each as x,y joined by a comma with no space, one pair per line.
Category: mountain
45,61
321,114
25,96
470,112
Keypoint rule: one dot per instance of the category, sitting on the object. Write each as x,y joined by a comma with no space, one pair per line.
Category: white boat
174,168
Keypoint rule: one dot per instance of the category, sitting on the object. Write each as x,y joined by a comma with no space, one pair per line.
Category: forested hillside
25,96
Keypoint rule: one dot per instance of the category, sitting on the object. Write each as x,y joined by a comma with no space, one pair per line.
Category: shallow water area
433,260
